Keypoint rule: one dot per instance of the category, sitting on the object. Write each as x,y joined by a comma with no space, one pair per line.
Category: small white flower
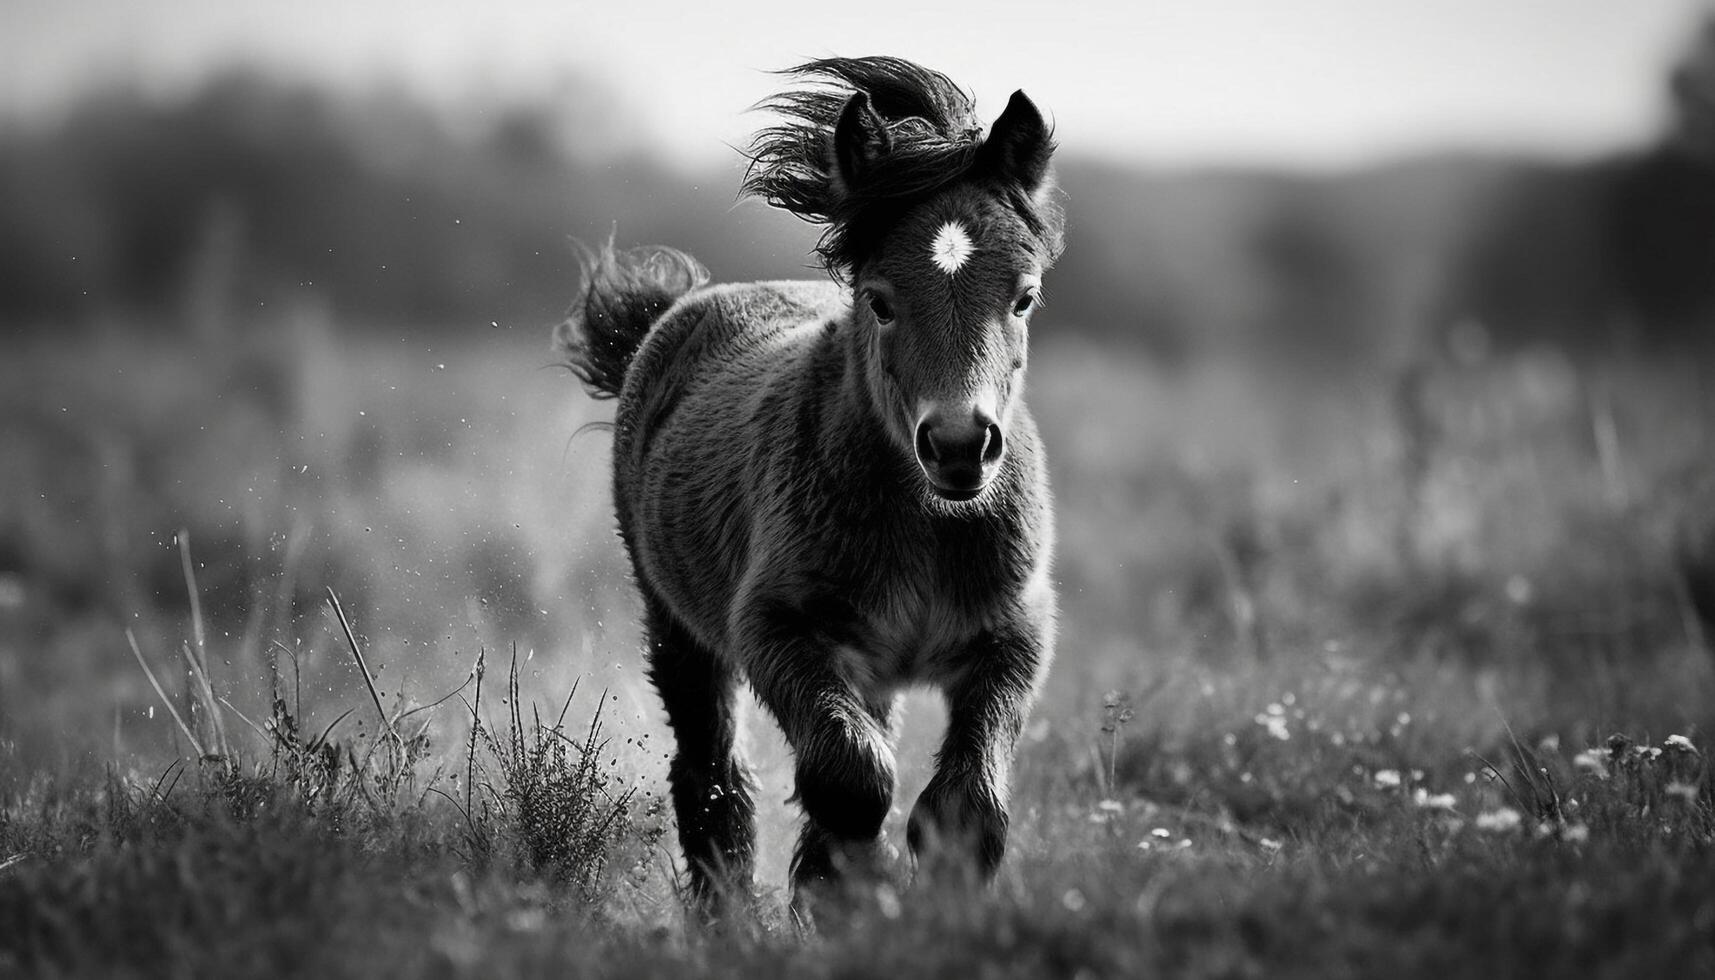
1387,778
1593,761
1275,725
1685,791
1500,821
1576,833
887,901
1680,743
1425,800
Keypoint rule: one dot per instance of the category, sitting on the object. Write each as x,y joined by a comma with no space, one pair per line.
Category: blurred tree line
255,194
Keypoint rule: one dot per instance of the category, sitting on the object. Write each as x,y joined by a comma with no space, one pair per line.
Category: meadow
1361,672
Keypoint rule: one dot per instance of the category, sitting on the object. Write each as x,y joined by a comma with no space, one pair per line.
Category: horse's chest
919,595
913,634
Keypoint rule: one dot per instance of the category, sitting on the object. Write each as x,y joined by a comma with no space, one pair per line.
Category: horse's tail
624,292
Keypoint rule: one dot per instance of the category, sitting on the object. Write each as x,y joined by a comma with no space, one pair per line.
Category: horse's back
725,335
732,312
683,430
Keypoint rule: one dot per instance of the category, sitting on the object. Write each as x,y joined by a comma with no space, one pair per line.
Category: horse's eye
882,310
1024,304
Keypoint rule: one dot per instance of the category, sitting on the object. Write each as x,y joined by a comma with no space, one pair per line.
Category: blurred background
1380,344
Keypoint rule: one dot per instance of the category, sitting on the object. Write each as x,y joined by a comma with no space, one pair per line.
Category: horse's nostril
926,444
994,444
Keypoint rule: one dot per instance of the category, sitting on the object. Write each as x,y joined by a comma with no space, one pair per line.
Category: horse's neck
854,438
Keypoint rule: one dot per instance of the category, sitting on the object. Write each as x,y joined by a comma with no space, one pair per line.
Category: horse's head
943,236
944,294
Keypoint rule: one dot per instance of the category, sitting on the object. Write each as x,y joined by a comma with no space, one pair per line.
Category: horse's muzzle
960,457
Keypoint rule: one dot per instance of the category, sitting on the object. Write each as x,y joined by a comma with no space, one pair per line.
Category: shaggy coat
833,490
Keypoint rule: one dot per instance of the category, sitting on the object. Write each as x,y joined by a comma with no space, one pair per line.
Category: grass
1407,675
217,871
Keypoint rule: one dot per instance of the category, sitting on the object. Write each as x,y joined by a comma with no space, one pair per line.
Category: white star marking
951,247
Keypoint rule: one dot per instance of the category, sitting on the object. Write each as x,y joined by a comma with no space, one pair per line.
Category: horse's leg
959,823
843,755
713,791
825,858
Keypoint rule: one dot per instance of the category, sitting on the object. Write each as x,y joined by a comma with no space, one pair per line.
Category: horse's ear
860,139
1019,145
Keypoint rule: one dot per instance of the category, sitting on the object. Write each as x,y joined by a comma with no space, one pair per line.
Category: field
1403,672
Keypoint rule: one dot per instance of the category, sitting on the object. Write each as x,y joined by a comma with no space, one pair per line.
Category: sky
1313,83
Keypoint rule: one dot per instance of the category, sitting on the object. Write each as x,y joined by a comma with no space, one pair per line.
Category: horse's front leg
959,824
841,744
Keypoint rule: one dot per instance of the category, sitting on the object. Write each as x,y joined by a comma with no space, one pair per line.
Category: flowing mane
928,139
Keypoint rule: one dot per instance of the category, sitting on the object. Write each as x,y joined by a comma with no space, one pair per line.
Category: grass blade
195,745
362,665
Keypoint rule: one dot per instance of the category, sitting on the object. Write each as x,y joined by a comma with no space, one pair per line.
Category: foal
832,490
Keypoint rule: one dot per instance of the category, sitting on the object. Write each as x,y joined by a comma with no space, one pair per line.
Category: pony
833,490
